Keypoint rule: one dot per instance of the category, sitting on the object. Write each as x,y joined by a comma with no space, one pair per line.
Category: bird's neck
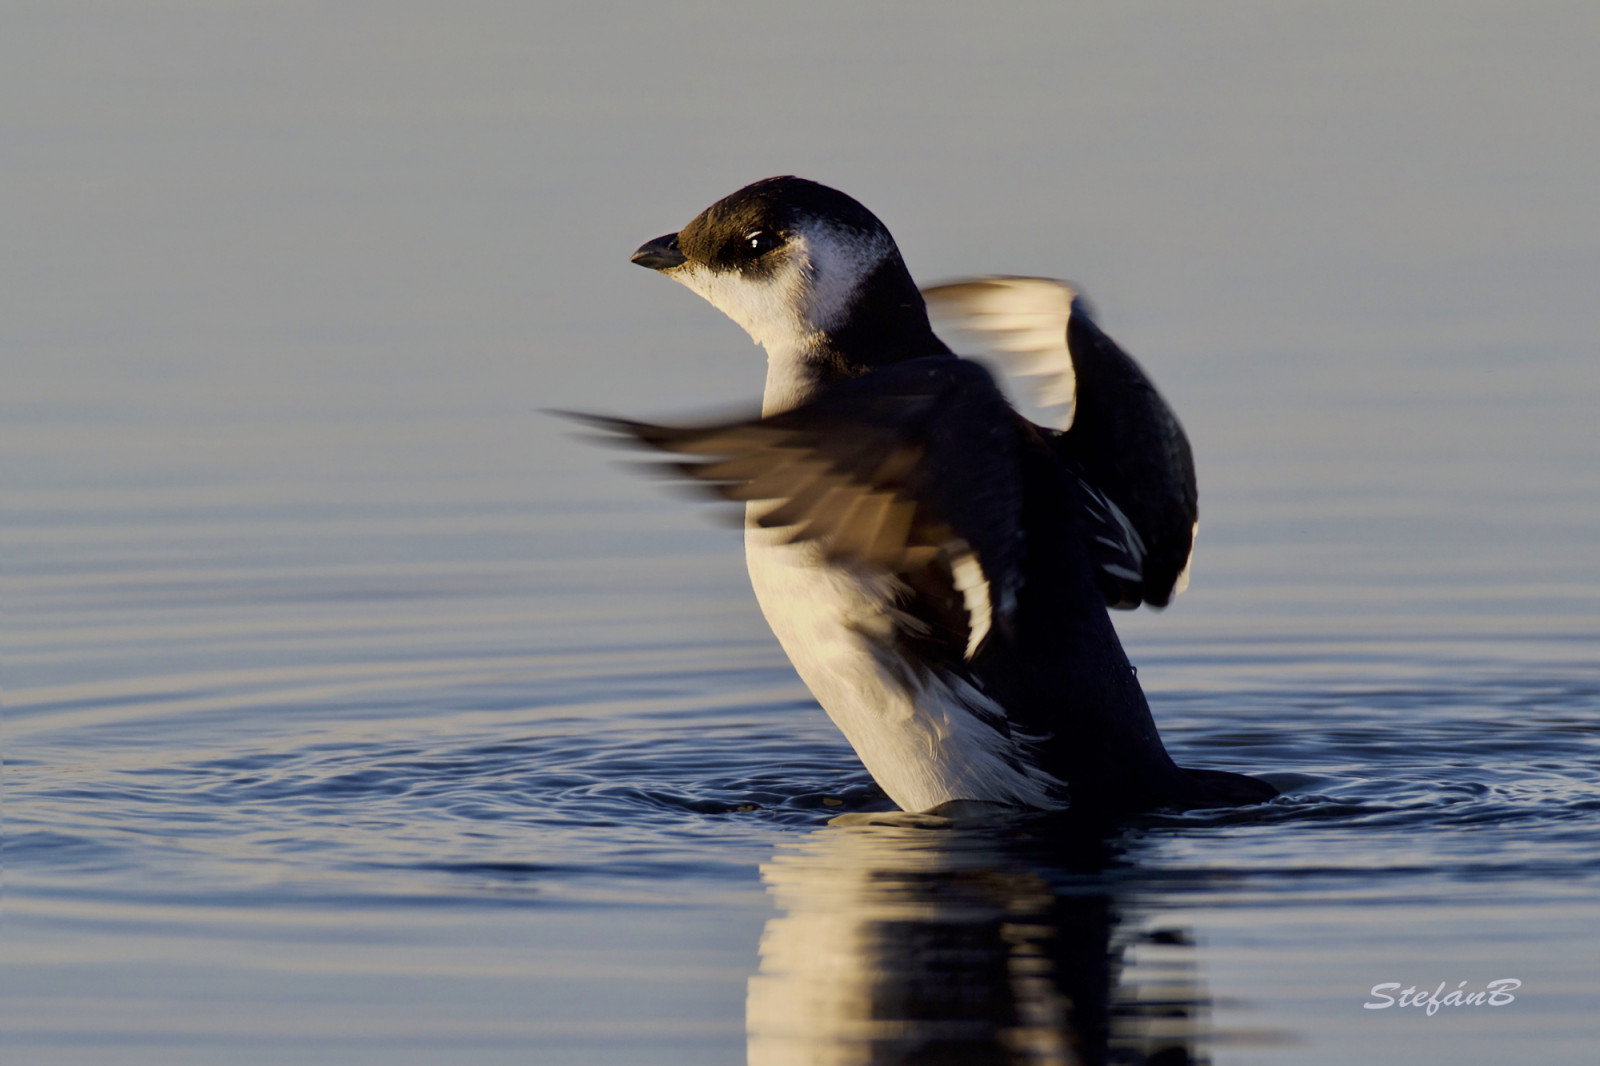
793,376
887,323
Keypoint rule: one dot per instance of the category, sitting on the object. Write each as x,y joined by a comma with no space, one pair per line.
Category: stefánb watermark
1494,994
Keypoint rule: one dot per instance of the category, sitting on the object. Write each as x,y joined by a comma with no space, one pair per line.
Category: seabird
938,567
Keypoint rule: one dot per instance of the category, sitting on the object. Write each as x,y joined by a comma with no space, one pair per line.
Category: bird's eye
760,241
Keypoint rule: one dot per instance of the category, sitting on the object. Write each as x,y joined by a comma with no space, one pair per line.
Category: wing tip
963,297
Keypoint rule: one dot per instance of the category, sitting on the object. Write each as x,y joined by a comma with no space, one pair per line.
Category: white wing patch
1022,322
1182,583
968,576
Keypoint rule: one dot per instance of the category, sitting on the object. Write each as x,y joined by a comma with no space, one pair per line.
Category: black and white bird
938,567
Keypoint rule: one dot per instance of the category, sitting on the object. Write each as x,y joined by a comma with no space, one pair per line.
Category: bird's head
785,258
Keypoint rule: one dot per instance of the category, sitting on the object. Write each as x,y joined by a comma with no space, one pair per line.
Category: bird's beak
659,254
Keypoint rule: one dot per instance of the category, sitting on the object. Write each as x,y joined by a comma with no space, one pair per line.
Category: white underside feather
925,744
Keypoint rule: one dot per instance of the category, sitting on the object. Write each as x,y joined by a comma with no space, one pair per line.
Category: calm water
355,714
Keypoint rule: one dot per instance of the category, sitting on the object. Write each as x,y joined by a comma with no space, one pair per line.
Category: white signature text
1494,994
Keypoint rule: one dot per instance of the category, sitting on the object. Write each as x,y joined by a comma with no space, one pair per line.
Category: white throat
791,377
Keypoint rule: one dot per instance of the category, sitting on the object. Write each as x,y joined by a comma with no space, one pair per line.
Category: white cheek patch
811,289
837,261
765,308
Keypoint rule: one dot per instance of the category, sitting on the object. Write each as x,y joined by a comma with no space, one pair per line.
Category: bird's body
936,566
926,737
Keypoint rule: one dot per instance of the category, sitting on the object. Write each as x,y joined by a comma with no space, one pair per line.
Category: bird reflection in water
930,940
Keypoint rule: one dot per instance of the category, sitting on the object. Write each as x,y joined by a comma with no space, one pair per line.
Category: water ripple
620,767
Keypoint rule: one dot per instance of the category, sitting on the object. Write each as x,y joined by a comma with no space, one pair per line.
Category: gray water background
355,713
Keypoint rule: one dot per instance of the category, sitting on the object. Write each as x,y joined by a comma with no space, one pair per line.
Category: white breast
924,745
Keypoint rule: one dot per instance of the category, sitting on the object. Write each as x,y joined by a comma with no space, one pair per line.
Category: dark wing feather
1131,446
910,469
1114,426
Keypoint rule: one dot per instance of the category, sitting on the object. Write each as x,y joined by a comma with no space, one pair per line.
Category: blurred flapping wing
909,470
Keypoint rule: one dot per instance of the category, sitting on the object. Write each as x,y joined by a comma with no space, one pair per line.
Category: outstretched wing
1137,467
909,470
